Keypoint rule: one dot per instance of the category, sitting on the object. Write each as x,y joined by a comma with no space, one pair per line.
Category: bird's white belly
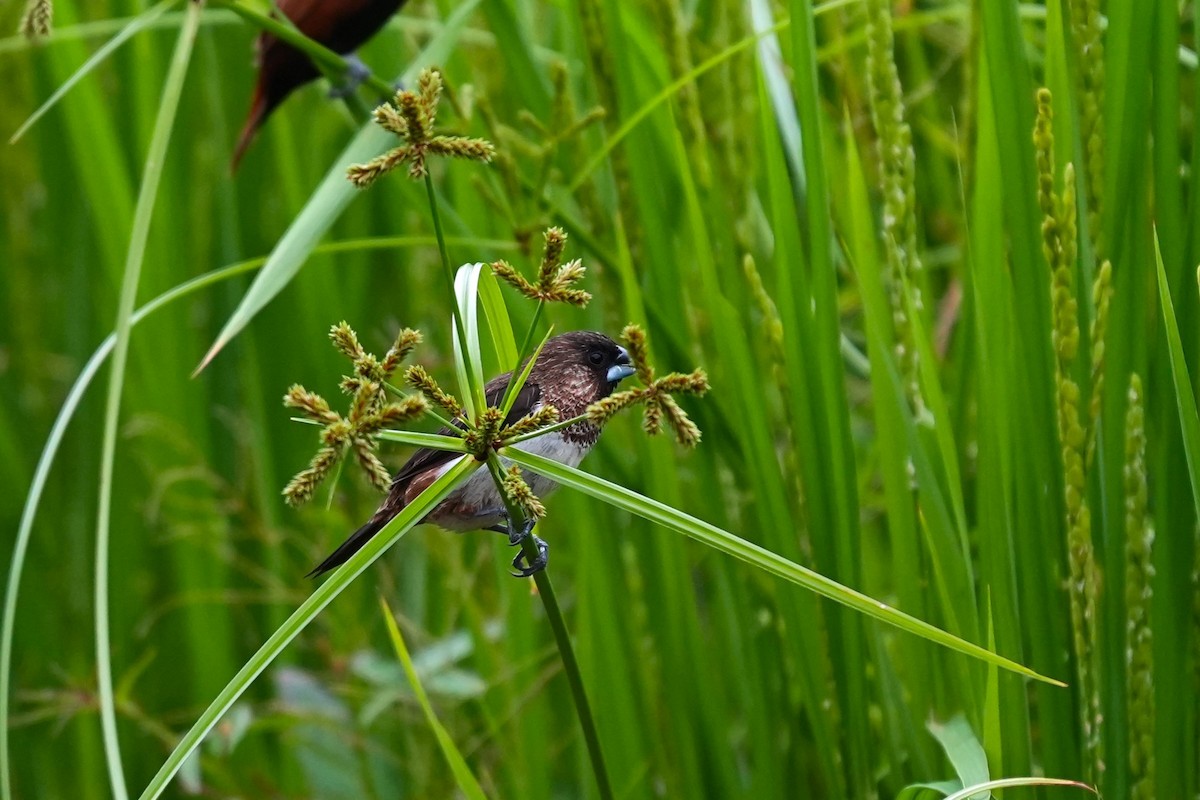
480,493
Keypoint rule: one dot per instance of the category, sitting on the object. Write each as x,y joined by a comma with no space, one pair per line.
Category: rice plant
931,530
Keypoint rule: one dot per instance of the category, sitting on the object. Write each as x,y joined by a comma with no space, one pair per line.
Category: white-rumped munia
572,371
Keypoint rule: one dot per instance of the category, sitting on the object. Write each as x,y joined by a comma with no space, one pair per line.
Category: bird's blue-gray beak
622,368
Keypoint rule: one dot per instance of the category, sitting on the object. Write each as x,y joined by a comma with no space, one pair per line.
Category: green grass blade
433,440
468,359
963,749
980,790
1185,399
330,199
304,614
515,386
756,556
155,157
458,765
499,325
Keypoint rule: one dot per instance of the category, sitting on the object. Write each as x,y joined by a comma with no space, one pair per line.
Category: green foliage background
728,201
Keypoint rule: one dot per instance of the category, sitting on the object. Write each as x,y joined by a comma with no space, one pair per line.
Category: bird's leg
517,537
356,73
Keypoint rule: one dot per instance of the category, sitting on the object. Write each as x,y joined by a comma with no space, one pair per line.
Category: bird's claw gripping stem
516,538
356,73
539,562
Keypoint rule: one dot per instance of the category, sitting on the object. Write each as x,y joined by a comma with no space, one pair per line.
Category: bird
573,370
341,25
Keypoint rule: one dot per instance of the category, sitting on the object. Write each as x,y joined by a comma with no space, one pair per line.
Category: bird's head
586,365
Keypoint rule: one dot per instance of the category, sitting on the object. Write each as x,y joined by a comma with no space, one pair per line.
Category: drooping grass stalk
1059,245
562,639
1139,588
164,124
897,177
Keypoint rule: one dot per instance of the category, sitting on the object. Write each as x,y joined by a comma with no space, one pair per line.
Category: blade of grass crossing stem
499,324
436,441
331,198
468,358
161,139
515,385
458,765
304,614
756,556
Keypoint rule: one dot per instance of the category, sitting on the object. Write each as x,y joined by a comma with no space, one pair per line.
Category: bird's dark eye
596,357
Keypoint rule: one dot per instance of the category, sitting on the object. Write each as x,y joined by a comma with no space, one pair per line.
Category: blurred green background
730,201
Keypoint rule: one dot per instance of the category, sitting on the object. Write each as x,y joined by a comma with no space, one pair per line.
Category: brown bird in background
341,25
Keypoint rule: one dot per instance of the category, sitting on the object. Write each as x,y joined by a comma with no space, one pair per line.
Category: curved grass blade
756,556
468,360
329,200
1189,421
518,383
980,790
499,323
458,765
304,614
963,750
136,25
164,124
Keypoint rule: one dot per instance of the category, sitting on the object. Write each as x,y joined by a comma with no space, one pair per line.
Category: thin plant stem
453,429
527,345
562,638
448,272
558,426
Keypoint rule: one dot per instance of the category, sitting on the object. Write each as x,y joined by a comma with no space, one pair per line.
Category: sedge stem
562,638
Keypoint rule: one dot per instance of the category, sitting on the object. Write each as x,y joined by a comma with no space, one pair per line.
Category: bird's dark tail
260,107
352,545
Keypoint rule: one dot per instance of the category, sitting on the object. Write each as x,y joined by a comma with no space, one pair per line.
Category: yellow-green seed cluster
411,116
1087,37
655,394
897,167
419,378
37,18
1139,575
521,495
369,414
555,281
1059,238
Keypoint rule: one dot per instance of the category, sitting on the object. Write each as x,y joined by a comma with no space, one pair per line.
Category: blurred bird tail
259,108
352,545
